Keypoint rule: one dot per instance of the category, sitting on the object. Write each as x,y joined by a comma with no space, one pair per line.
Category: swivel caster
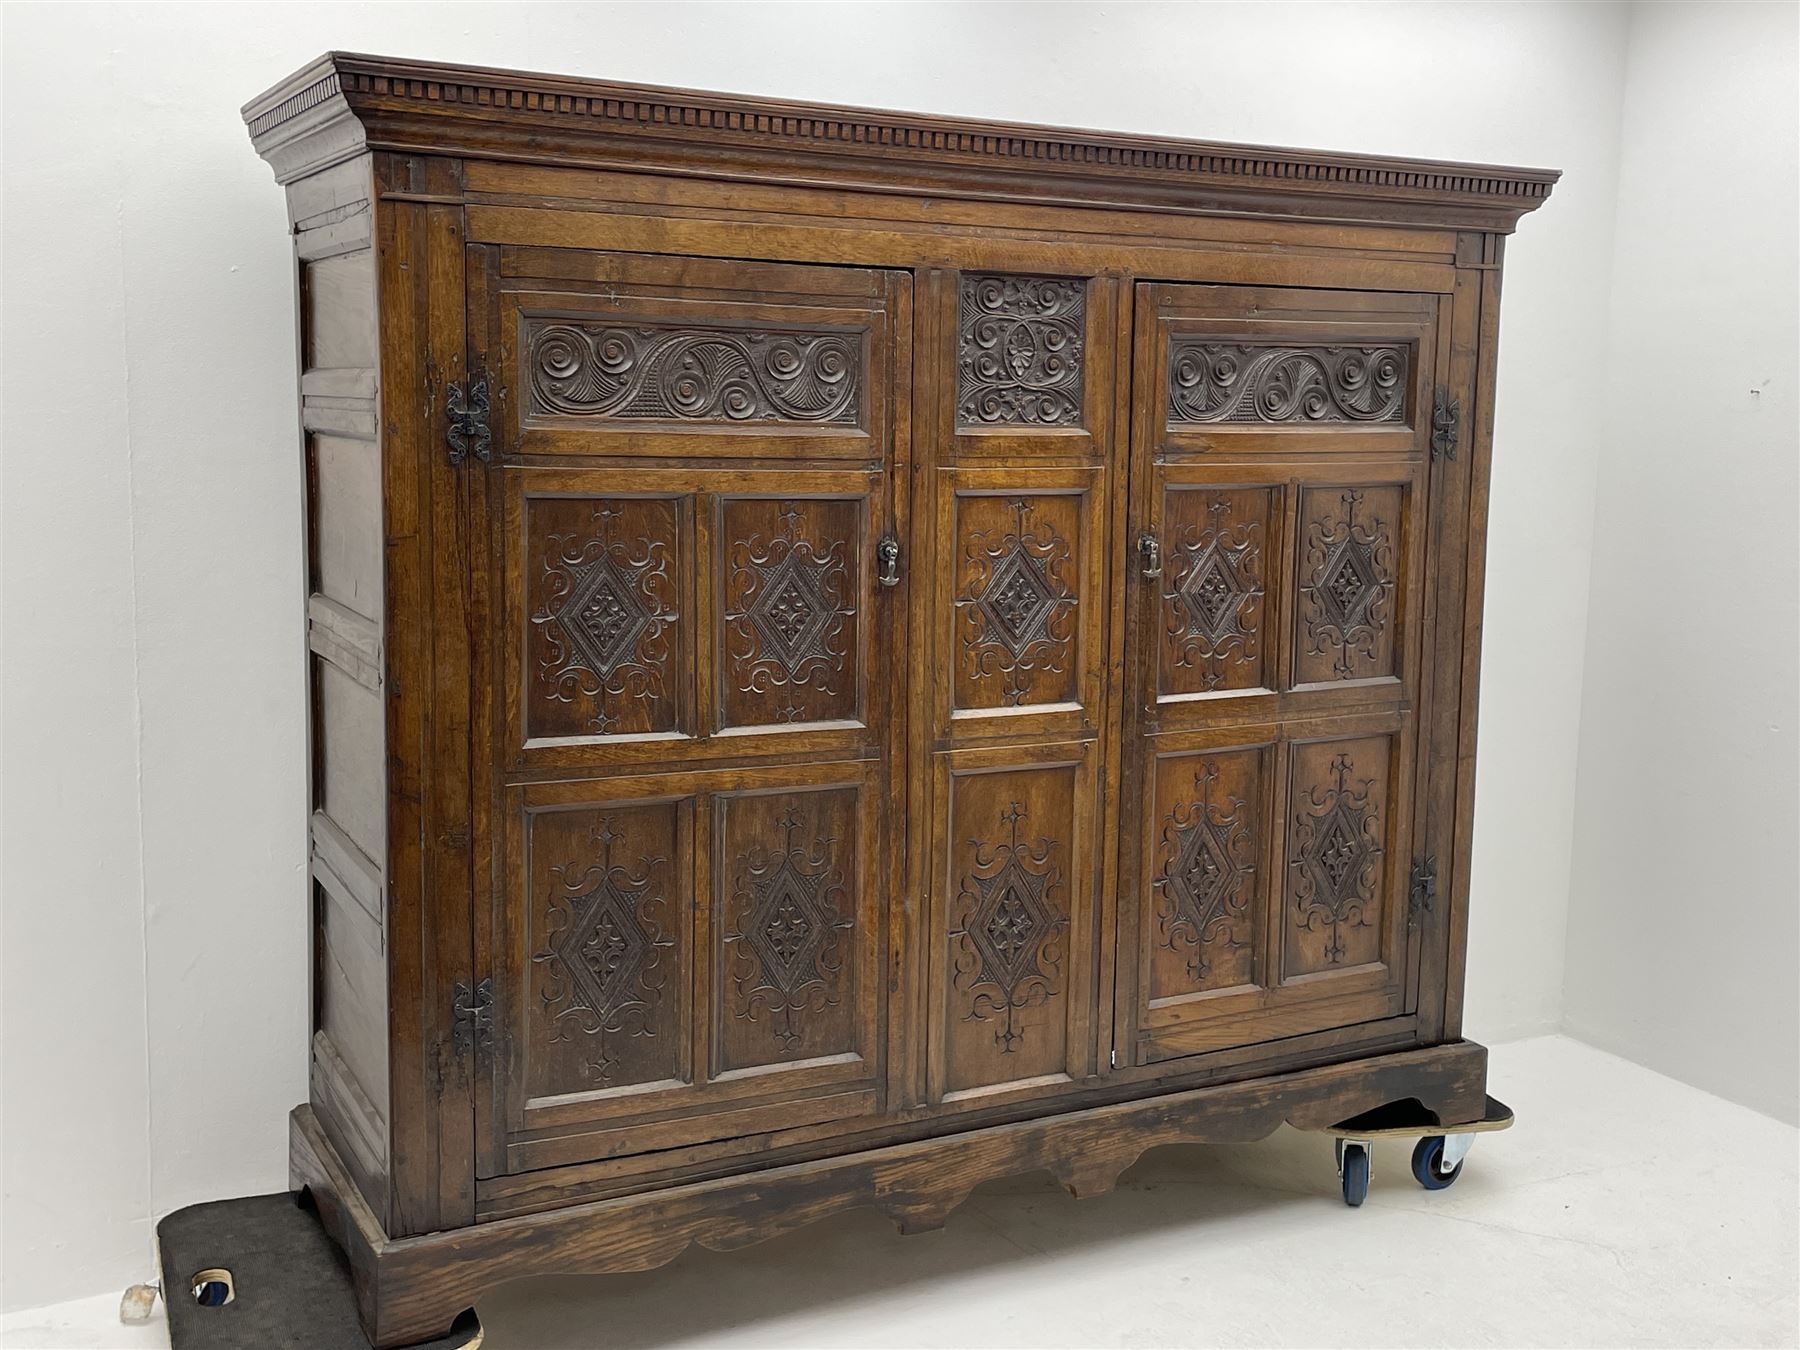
1438,1160
1353,1170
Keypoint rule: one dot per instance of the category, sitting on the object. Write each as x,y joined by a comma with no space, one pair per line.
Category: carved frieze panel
1212,382
789,933
1019,354
602,605
682,372
792,575
1336,855
1207,883
1016,601
607,936
1349,546
1216,549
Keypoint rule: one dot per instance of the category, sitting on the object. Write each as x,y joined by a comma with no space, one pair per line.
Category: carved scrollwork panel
1215,553
789,935
1017,607
792,573
1213,382
1206,886
1348,578
1019,351
604,1010
1336,855
603,615
642,370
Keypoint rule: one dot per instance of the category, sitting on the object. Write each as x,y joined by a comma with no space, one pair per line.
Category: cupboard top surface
344,104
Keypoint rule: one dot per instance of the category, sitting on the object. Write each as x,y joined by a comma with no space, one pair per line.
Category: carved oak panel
790,940
791,617
1012,870
607,944
1348,596
686,372
1212,381
1017,600
1218,571
1019,356
1208,881
1339,805
605,639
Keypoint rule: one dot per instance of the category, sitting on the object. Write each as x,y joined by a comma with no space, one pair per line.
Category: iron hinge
1424,886
467,408
472,1018
1446,414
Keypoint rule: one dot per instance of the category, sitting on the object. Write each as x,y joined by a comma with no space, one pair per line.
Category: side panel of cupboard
347,623
691,778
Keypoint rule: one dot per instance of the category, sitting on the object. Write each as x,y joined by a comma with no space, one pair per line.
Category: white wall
1685,913
155,1019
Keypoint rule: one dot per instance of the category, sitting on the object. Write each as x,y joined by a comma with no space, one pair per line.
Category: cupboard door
1281,468
1012,697
688,851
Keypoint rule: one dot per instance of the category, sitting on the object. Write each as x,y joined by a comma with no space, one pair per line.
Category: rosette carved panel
1020,344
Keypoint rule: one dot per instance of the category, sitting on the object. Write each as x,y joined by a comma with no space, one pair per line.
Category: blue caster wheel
1428,1164
1353,1169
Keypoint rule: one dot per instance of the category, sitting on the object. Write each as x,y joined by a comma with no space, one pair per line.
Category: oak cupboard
856,652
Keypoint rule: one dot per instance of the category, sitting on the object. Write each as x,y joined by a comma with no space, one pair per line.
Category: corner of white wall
1683,918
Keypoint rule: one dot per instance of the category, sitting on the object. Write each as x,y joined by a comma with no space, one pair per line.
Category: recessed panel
1339,804
790,943
1213,382
1017,600
1020,351
647,370
1218,577
1347,587
1010,885
604,628
791,614
608,916
1208,877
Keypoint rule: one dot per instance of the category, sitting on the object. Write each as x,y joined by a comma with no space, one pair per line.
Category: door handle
887,561
1149,554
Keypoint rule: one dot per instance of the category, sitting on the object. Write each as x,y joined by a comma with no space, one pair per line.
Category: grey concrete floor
1624,1209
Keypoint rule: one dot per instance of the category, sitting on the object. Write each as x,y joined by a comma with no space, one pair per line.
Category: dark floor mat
290,1282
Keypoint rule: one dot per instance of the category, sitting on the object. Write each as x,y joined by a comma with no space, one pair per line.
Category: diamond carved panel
792,572
603,613
1348,583
1016,607
1215,543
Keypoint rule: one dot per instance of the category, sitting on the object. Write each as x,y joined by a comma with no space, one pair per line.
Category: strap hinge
467,409
1446,415
1424,886
472,1017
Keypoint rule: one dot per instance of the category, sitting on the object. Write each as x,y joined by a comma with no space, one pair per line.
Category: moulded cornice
343,104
